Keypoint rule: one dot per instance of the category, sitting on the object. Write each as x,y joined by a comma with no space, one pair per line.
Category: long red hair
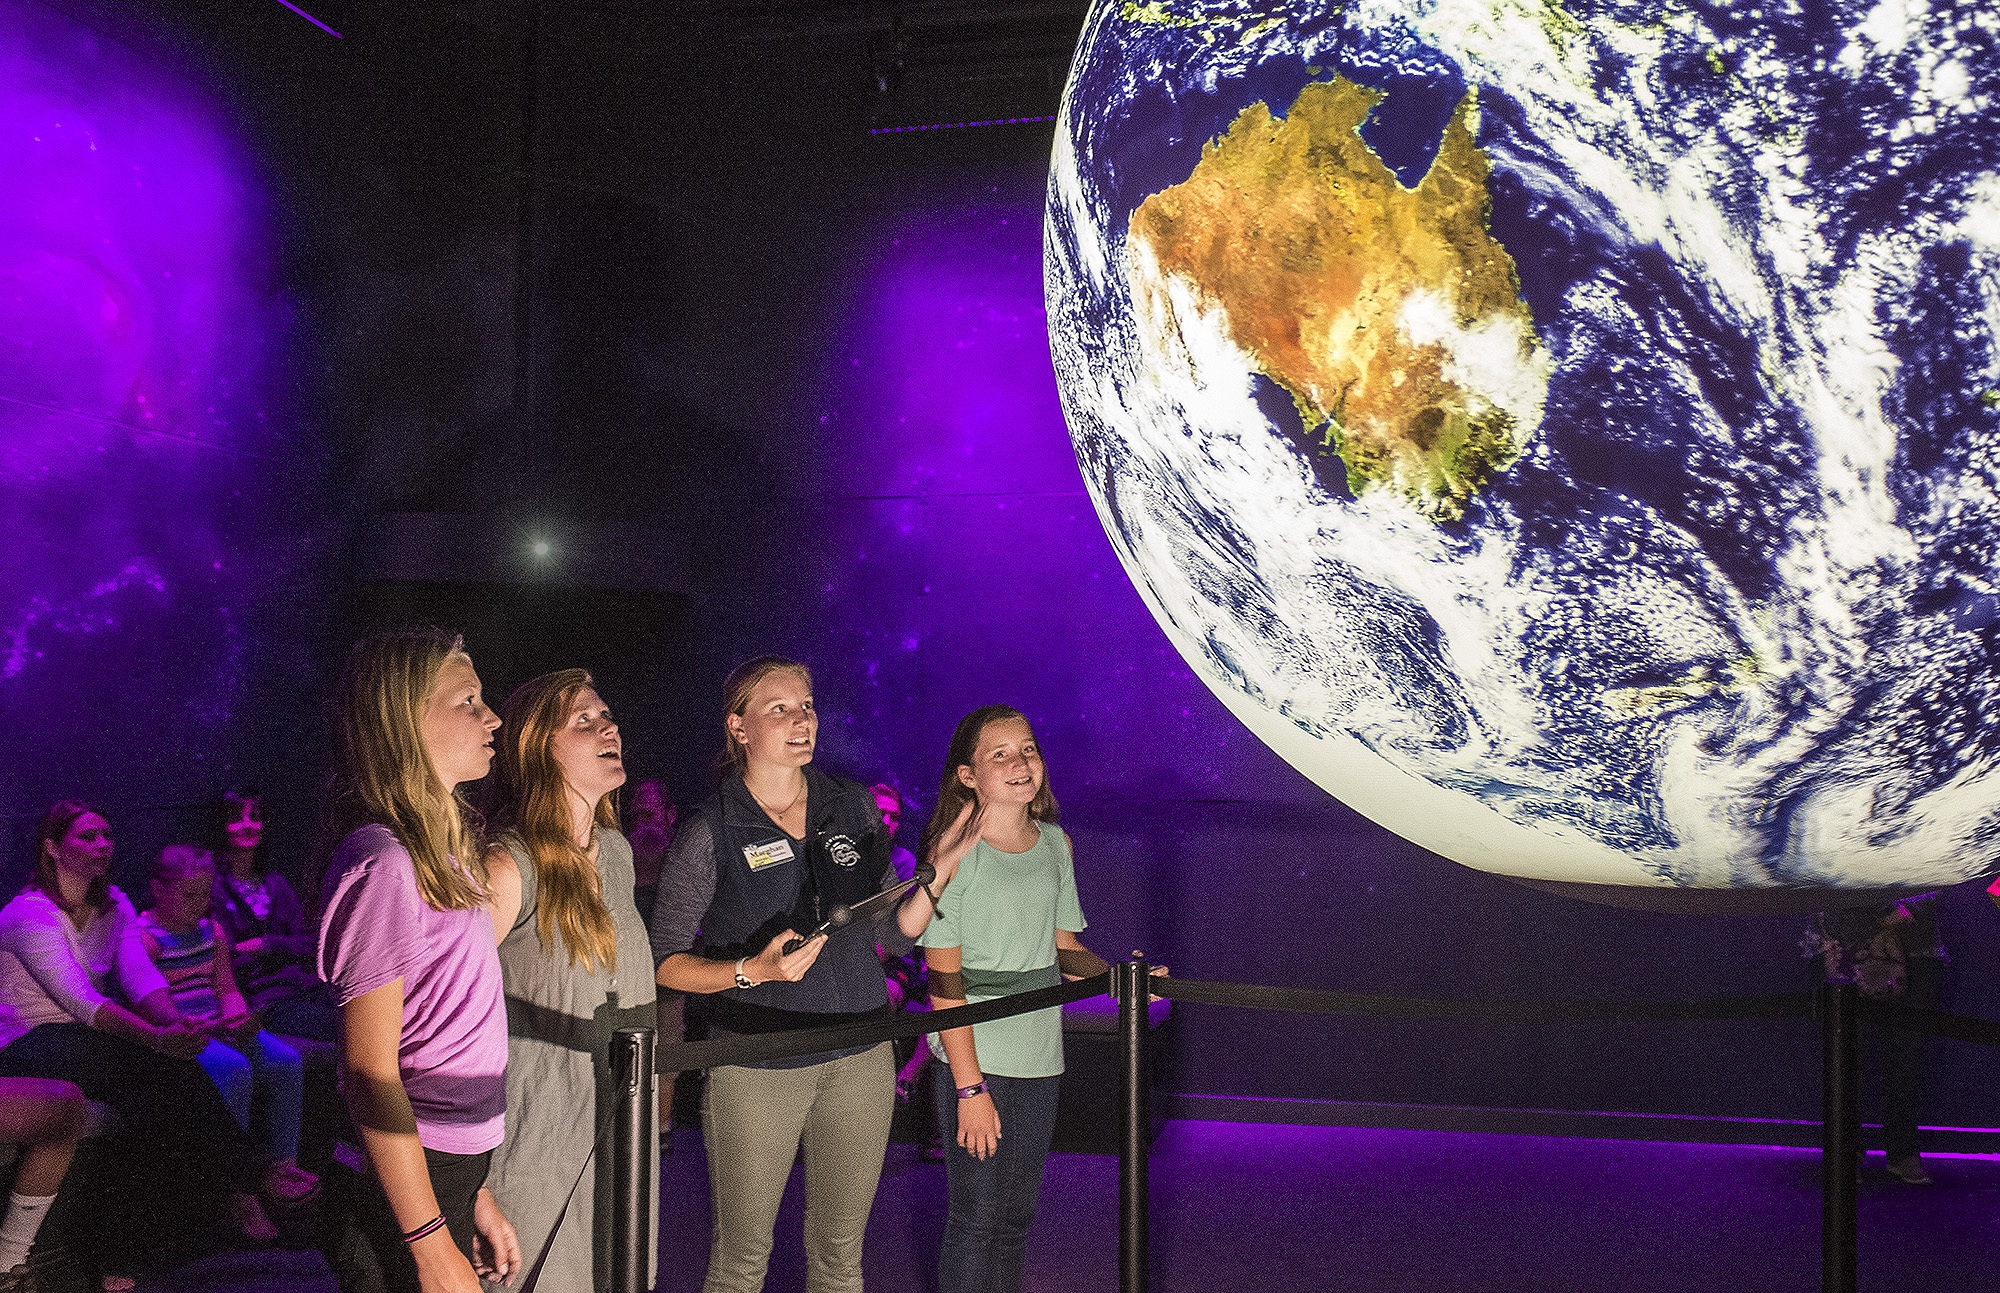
535,805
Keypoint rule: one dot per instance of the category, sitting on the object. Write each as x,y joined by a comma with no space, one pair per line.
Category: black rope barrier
1837,1010
1938,1023
745,1048
1318,1002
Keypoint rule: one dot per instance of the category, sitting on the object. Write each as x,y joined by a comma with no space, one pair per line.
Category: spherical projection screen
1569,433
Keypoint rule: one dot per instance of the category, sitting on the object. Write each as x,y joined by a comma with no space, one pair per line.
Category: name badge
760,856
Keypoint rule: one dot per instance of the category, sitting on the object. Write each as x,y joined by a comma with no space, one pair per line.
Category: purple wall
150,464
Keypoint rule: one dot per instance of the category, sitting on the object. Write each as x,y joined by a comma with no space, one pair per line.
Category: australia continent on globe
1389,315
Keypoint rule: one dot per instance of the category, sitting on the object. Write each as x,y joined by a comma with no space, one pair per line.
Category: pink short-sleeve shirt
375,928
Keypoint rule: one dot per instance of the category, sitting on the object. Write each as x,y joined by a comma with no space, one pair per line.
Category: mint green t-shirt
1003,910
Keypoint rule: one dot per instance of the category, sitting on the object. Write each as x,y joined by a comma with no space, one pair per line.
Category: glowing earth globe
1569,433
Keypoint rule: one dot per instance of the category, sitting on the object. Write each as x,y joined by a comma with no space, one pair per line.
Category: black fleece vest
766,882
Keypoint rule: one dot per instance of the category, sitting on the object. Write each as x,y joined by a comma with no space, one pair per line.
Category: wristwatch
742,979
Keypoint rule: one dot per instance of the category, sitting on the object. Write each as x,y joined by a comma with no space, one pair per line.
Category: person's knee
736,1262
60,1110
984,1215
230,1071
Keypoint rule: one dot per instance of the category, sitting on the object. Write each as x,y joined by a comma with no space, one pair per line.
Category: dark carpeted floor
1243,1206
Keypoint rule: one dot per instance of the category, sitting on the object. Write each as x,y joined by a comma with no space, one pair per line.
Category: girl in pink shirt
406,946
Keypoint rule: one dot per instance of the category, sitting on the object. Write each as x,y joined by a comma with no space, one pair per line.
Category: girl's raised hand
956,842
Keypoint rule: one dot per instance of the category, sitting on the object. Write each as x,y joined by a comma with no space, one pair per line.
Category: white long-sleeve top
52,972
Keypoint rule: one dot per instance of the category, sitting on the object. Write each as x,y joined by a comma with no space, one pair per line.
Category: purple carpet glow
1240,1206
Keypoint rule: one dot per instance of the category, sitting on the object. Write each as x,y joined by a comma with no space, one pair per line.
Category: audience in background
650,822
903,975
272,946
66,942
259,1075
576,965
889,803
406,943
761,861
1007,922
1891,952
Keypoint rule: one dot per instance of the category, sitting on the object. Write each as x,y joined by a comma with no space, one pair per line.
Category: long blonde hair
535,801
382,773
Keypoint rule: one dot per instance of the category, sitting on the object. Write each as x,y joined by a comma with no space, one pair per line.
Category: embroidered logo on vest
842,850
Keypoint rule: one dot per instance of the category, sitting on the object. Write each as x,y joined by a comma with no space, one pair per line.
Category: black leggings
177,1153
362,1242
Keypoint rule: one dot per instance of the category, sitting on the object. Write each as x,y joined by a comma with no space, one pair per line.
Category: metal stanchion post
1840,1143
634,1153
1136,1126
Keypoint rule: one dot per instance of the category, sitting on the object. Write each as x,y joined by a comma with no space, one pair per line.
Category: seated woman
66,940
245,1062
272,946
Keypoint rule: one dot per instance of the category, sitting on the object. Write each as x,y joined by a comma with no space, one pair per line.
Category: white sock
18,1229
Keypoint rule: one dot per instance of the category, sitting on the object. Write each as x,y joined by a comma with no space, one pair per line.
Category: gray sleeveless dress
560,1018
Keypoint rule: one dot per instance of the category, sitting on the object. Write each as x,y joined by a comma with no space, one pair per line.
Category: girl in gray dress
574,954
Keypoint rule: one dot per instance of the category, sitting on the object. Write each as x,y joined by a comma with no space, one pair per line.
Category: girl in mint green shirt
1007,921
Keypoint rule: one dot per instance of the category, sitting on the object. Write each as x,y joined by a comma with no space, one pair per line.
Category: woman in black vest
774,850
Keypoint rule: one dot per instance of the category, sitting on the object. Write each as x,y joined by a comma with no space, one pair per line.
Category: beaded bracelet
432,1226
977,1088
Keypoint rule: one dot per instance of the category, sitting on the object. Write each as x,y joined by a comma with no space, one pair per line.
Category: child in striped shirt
245,1062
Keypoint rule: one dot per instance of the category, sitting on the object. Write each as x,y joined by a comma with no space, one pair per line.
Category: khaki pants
755,1120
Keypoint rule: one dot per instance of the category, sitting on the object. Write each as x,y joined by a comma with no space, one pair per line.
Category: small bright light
541,547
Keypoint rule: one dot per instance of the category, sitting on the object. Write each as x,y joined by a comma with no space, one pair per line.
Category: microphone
843,915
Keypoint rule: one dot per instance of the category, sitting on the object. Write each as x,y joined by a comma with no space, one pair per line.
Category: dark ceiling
920,62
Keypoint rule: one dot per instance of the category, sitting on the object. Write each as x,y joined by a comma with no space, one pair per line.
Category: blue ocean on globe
1567,432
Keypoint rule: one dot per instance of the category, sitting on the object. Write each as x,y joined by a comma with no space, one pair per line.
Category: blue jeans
262,1066
991,1202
